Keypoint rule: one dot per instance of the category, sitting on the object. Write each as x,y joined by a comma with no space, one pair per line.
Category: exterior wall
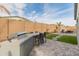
70,28
3,30
51,28
78,31
16,26
29,27
10,26
38,27
77,19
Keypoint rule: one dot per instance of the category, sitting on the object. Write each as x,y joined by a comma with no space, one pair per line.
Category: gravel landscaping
56,48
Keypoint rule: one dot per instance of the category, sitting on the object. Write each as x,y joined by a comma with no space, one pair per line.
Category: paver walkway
56,48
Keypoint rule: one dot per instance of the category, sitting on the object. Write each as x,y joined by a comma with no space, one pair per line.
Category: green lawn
51,36
68,39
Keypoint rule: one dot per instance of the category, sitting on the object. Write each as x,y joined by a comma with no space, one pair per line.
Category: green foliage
51,36
68,39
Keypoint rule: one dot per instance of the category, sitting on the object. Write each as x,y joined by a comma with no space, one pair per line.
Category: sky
49,13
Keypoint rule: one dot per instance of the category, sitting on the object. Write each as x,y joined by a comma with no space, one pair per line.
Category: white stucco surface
10,48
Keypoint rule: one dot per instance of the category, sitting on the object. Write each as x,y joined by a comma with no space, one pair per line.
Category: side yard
64,38
68,39
51,36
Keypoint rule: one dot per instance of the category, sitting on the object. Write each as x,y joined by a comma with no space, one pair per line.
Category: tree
58,27
4,9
